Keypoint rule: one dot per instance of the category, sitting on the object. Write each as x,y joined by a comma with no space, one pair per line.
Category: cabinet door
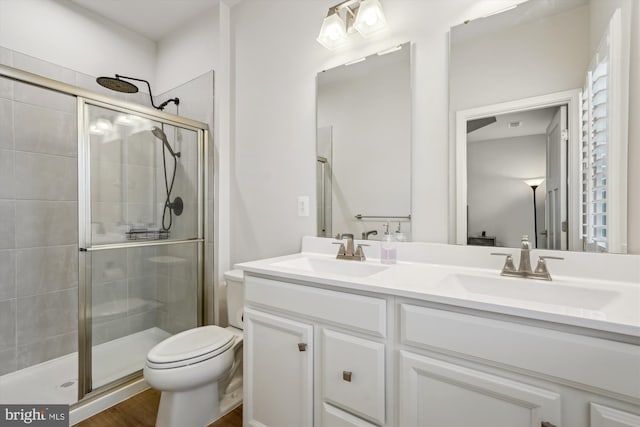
434,393
278,371
603,416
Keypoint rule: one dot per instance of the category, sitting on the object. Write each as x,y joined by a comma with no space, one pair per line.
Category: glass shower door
142,234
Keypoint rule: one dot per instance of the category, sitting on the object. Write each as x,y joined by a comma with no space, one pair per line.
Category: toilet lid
190,344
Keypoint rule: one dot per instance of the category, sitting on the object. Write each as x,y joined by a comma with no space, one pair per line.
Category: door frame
571,98
86,390
562,122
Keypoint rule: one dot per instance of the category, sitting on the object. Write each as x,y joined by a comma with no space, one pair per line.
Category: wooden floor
141,410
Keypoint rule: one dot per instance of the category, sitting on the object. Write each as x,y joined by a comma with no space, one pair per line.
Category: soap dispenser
388,250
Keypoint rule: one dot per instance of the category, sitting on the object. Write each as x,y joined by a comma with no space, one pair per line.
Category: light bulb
333,32
95,130
103,124
370,18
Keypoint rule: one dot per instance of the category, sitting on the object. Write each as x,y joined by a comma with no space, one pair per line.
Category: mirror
539,99
363,146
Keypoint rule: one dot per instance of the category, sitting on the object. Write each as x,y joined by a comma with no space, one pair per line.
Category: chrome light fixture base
364,16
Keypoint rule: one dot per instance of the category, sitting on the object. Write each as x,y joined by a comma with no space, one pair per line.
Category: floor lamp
534,183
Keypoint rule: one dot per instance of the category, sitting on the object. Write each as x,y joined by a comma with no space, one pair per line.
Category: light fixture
364,16
534,183
370,18
95,130
124,120
333,32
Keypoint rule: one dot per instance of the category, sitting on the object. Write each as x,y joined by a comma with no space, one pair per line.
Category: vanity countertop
587,302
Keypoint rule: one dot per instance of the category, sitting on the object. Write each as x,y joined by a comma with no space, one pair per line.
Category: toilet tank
235,297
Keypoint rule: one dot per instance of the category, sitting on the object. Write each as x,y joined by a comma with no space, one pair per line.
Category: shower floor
56,381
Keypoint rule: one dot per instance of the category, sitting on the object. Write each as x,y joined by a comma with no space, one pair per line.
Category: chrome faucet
348,252
524,268
366,234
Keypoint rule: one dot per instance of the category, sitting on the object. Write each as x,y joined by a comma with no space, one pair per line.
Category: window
603,140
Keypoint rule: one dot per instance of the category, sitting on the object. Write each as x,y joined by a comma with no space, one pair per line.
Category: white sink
331,266
556,293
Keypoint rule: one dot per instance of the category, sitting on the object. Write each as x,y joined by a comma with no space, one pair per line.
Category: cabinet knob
346,375
302,346
547,424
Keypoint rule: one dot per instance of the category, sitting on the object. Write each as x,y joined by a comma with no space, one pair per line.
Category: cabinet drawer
353,374
334,417
366,314
608,365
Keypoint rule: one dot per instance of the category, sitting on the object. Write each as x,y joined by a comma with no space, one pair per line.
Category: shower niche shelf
146,234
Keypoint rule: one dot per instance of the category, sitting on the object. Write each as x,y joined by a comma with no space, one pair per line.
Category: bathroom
262,119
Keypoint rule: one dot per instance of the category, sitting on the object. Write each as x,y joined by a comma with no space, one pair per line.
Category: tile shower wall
38,218
124,292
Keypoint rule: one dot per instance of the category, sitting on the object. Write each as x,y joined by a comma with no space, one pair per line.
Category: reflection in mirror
540,99
507,168
363,152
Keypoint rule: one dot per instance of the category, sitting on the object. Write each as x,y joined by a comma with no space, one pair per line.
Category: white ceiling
152,19
534,122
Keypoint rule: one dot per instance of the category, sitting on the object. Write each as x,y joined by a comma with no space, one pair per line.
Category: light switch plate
303,205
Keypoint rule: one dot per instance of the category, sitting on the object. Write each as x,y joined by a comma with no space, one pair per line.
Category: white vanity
440,339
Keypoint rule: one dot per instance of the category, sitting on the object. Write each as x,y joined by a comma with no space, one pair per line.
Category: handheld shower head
177,205
159,133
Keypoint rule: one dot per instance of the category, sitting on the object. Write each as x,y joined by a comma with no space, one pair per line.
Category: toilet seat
189,347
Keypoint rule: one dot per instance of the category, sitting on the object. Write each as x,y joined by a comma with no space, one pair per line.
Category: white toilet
193,368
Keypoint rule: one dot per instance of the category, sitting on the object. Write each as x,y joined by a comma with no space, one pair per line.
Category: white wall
188,52
277,58
540,57
72,37
601,12
499,201
370,114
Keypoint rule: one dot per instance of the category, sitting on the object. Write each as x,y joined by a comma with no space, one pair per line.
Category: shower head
117,84
159,133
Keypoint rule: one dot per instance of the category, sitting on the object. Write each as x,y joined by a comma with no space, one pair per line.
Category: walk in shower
101,237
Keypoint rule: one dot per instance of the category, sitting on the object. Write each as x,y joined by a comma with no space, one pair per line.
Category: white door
278,371
556,182
434,393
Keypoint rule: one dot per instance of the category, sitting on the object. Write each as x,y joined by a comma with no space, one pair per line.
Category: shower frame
86,97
